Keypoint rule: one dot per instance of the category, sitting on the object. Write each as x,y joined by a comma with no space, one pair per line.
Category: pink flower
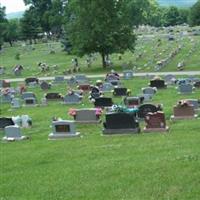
72,112
98,111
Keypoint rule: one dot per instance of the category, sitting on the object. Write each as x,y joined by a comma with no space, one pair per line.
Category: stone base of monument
11,139
175,118
149,130
57,136
120,131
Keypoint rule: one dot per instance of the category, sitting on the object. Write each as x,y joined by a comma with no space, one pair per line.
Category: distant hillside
15,15
178,3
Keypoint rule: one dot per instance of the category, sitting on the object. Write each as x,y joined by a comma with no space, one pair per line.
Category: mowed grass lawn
146,47
95,167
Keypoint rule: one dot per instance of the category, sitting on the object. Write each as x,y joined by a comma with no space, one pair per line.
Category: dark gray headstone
120,123
4,121
145,109
103,102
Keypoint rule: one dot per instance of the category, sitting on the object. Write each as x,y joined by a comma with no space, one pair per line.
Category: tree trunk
30,41
103,60
10,42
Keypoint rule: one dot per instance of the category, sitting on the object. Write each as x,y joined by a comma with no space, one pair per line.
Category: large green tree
194,17
172,16
30,27
11,31
101,26
3,22
49,13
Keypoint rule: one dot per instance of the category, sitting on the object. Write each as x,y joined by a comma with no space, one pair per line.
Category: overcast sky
13,5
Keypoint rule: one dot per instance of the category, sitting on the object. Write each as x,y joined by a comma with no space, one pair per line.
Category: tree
29,24
101,26
172,16
49,13
155,14
138,11
194,16
183,15
11,31
56,17
3,22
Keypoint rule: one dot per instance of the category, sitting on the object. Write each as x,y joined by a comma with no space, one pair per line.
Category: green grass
148,48
139,167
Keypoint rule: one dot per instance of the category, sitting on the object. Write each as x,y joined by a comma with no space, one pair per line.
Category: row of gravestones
184,86
115,122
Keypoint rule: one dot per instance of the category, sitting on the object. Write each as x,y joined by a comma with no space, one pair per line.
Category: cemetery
78,126
100,121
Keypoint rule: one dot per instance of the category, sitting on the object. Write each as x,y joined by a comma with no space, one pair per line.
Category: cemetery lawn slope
148,53
141,166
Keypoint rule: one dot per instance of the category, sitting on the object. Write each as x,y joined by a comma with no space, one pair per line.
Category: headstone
6,98
95,93
131,102
6,84
183,110
110,77
63,129
26,95
170,79
146,97
31,81
128,74
183,81
120,123
115,82
30,101
54,96
5,121
85,87
81,79
147,108
2,70
103,102
72,98
197,84
194,102
155,122
26,121
18,70
45,85
71,81
86,115
158,83
107,87
29,98
59,79
15,103
121,91
149,91
185,88
13,133
44,101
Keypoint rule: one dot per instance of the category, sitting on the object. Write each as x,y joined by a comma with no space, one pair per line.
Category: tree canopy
101,26
194,18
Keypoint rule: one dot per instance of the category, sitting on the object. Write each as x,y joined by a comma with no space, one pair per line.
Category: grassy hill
178,3
130,167
147,54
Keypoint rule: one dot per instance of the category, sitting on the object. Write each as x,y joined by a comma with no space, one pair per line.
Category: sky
13,5
18,5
